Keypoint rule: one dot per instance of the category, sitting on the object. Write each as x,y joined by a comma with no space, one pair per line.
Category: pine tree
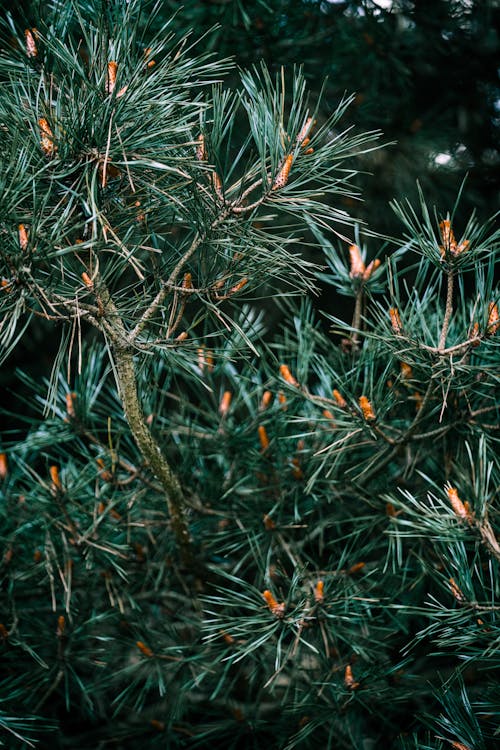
215,535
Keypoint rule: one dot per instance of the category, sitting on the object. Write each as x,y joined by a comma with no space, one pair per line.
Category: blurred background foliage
425,73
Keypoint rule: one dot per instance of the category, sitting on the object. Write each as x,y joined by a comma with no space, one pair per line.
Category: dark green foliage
339,479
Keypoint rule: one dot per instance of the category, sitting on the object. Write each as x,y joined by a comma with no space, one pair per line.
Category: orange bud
448,238
475,334
205,359
278,610
267,397
309,151
396,324
23,237
349,681
406,370
367,409
462,247
370,268
339,398
61,626
319,592
87,280
46,137
54,475
417,397
145,650
70,404
37,556
182,336
263,438
456,591
302,138
111,77
268,523
357,263
228,638
287,375
282,400
225,403
149,63
460,746
31,49
328,415
105,474
4,633
187,282
493,319
391,510
458,506
237,287
4,466
356,568
282,176
296,470
217,183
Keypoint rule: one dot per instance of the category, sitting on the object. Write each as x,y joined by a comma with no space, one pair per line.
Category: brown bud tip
236,288
460,509
70,404
395,320
302,138
493,319
61,626
456,591
356,568
87,280
267,397
54,475
263,438
31,48
111,76
278,609
340,400
282,176
319,594
357,263
406,371
145,650
23,237
46,137
268,523
287,375
370,268
225,403
349,681
4,466
367,409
